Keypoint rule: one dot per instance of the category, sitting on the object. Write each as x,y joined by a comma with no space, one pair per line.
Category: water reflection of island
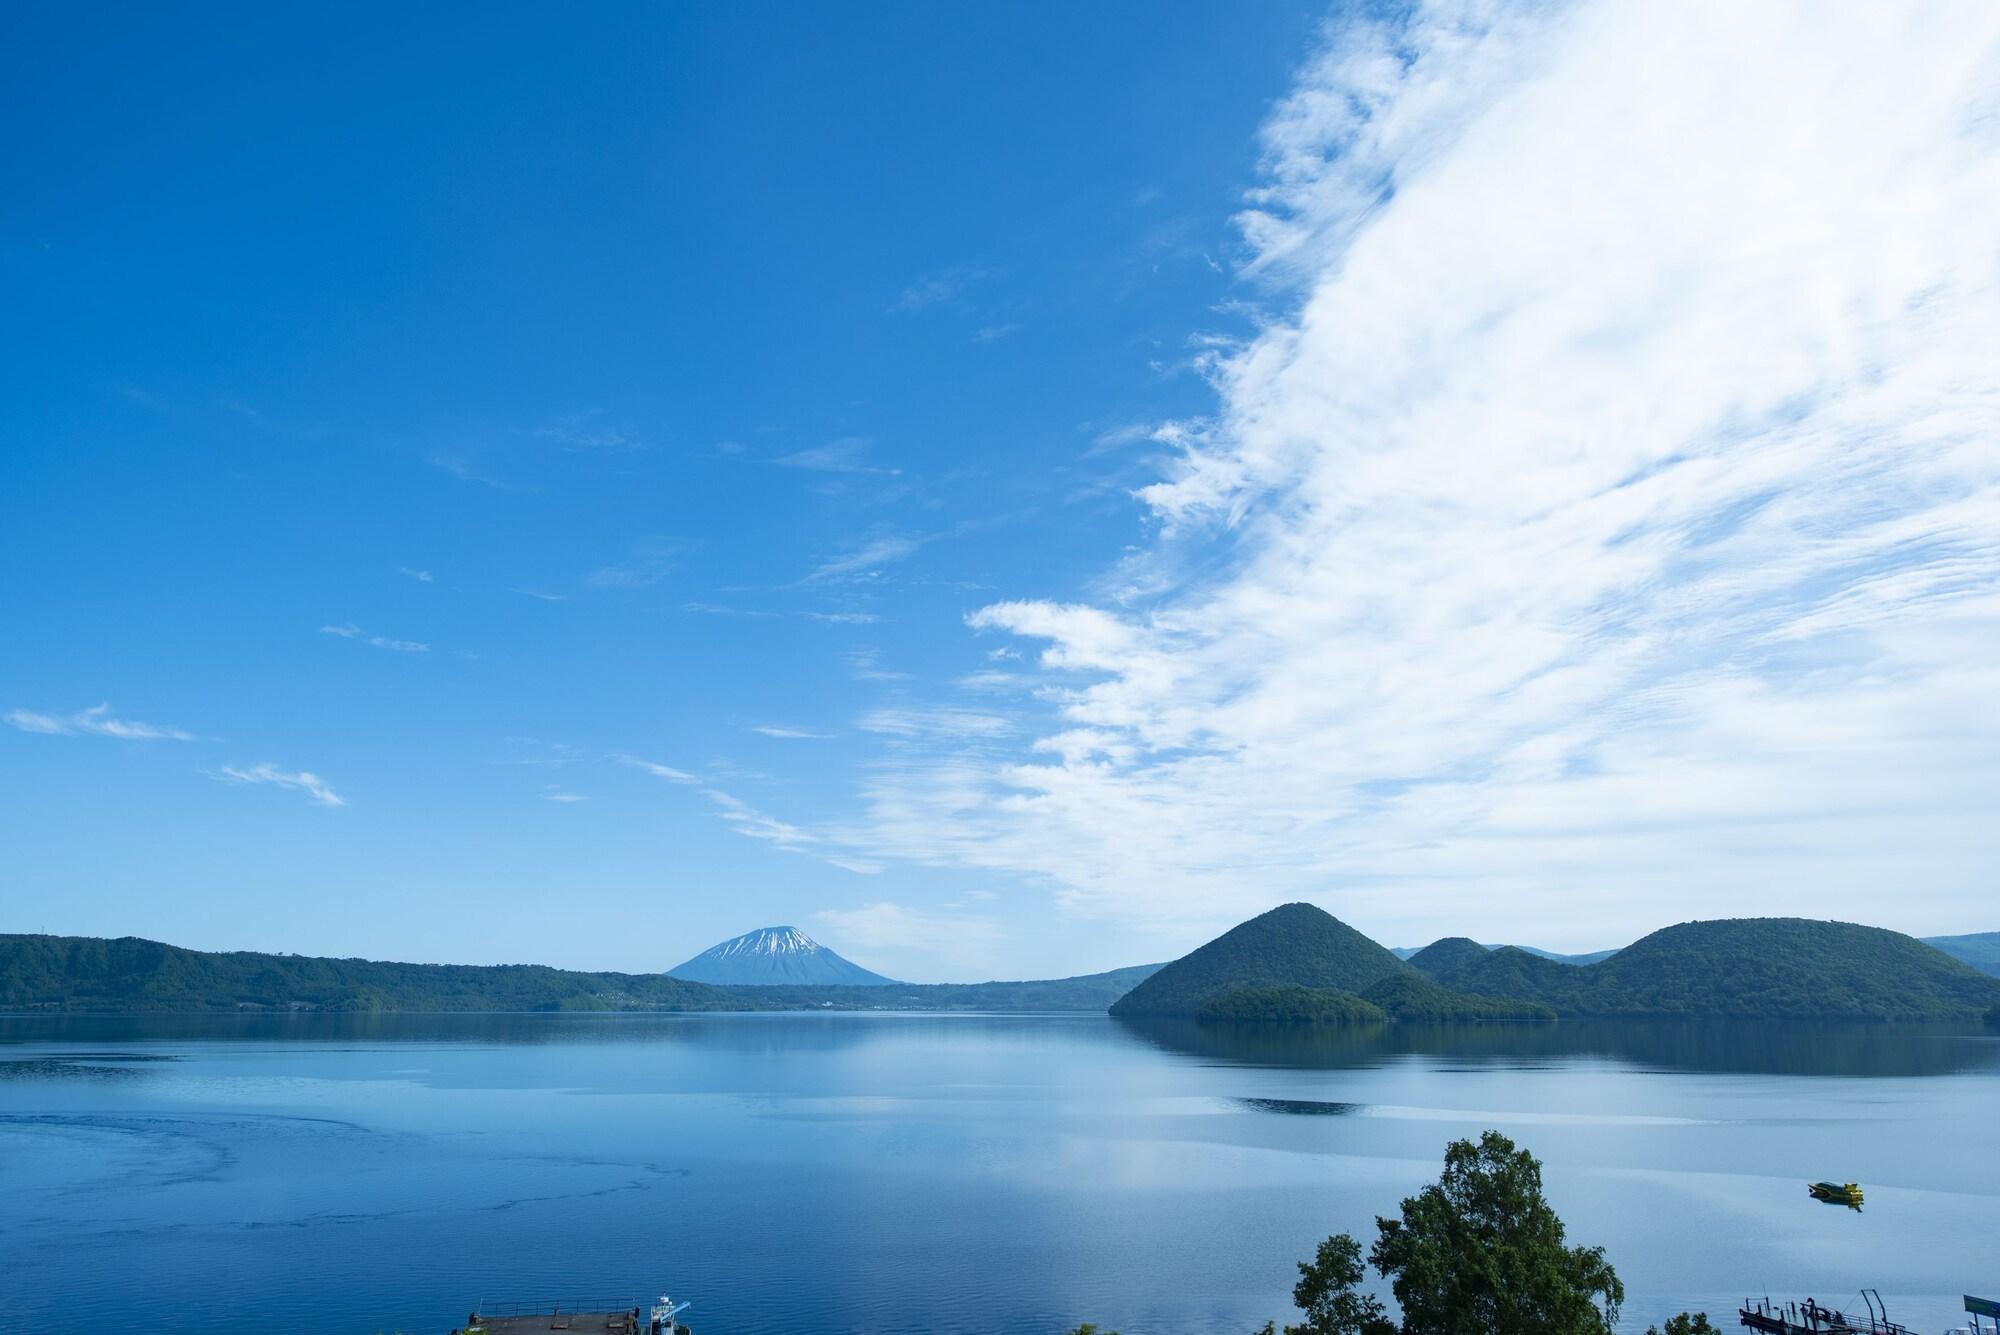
1738,1047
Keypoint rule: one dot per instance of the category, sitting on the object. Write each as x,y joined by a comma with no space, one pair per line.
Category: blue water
898,1173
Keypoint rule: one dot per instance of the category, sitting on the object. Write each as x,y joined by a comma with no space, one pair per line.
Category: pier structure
1812,1317
584,1317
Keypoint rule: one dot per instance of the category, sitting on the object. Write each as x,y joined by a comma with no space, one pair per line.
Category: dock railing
555,1306
1814,1318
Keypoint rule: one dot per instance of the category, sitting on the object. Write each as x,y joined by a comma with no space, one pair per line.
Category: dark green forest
1744,968
78,973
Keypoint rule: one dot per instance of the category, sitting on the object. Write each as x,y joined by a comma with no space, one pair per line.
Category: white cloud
844,455
554,793
302,780
746,820
1612,534
97,721
788,734
865,560
420,576
649,563
933,721
941,288
349,631
657,770
889,926
465,470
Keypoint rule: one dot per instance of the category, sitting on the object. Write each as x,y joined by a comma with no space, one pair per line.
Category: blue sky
1009,491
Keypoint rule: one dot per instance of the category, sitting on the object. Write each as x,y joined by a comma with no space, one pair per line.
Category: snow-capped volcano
774,955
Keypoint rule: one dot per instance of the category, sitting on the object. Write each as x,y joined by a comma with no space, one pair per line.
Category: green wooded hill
1087,992
1761,968
1288,1003
80,973
1296,945
1411,996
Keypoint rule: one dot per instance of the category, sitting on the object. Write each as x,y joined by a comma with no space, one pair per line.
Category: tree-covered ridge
1296,944
71,973
67,973
1413,997
1752,968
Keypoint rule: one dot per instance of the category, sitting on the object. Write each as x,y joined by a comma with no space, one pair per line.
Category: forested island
1298,963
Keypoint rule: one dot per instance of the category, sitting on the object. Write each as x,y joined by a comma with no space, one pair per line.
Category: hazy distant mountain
774,955
1790,968
1589,957
1979,949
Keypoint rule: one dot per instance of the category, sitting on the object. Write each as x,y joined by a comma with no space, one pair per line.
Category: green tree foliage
1411,996
1285,1002
1477,1251
1482,1250
1326,1294
1685,1324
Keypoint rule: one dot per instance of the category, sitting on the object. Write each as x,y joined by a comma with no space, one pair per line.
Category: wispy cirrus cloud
420,576
304,781
649,563
1610,534
845,455
97,721
905,939
866,560
657,770
588,432
350,631
941,288
789,734
754,823
466,470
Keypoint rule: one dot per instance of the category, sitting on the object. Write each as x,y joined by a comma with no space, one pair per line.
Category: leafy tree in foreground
1685,1324
1480,1250
1325,1293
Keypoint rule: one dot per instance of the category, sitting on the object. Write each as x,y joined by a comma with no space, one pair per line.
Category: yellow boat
1836,1193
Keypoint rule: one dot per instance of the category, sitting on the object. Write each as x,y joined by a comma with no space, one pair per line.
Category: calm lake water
900,1173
